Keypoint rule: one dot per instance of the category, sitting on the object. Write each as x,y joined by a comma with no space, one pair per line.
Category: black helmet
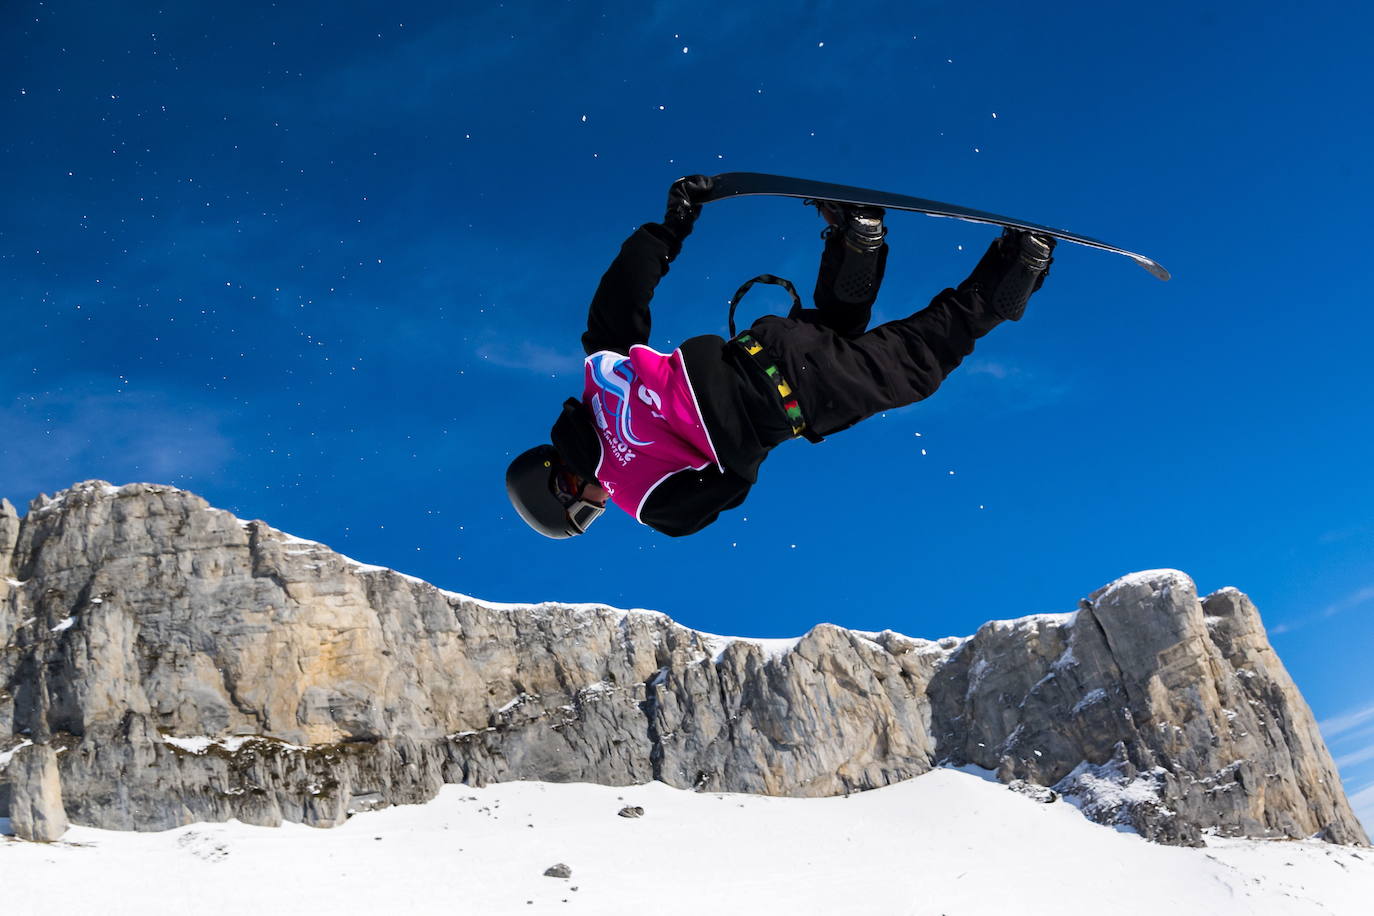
538,483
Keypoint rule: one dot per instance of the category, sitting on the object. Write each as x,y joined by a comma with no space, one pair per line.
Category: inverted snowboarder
674,439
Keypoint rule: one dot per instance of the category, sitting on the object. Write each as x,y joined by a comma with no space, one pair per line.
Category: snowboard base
744,184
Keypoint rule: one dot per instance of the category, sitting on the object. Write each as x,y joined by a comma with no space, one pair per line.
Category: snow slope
948,842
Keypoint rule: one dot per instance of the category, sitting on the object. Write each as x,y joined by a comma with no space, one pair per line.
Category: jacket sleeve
690,500
619,314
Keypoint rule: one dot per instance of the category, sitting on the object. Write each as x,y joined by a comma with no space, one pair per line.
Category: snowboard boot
862,230
1015,266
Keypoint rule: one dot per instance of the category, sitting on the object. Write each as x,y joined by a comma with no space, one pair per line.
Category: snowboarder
676,438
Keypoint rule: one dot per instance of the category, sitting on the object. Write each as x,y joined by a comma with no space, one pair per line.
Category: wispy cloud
529,357
1350,601
1342,534
54,439
1346,721
1354,599
989,367
1360,756
1360,734
1363,803
1004,387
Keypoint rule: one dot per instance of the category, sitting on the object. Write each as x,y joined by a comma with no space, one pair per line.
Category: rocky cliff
186,665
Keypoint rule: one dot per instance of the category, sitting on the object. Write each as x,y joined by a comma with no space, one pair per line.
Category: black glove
685,198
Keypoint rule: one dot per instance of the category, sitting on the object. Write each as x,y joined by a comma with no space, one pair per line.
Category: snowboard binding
862,225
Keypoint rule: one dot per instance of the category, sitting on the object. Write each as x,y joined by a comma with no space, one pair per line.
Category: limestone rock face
9,536
36,802
1146,688
192,666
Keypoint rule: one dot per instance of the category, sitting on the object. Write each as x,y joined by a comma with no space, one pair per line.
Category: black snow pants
843,372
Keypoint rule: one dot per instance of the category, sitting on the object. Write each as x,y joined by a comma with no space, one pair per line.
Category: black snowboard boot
862,231
1015,266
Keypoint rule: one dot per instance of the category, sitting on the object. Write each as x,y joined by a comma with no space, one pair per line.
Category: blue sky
327,264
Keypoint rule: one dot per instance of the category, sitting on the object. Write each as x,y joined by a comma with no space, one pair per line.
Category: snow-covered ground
946,843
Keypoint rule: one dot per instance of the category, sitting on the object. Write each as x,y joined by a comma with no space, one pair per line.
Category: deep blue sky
327,264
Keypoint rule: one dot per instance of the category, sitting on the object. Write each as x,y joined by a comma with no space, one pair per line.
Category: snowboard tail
744,184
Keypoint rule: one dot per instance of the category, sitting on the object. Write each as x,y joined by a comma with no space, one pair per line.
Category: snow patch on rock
1156,580
201,744
7,756
1116,794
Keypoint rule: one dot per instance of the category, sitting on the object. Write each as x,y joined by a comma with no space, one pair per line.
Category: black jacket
743,415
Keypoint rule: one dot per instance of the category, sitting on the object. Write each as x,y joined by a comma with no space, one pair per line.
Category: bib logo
652,399
615,376
622,452
599,411
617,447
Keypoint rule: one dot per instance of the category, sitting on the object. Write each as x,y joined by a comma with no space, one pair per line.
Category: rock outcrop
188,666
9,537
1155,708
36,811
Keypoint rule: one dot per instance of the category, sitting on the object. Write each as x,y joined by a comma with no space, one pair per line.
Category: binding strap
762,278
785,393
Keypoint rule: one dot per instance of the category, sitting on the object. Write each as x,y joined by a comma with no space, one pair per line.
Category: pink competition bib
648,421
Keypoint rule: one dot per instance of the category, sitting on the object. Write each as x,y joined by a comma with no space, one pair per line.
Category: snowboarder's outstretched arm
619,314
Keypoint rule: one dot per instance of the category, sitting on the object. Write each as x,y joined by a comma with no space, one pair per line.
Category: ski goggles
568,490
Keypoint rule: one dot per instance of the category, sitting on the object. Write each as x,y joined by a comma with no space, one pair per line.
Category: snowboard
744,184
